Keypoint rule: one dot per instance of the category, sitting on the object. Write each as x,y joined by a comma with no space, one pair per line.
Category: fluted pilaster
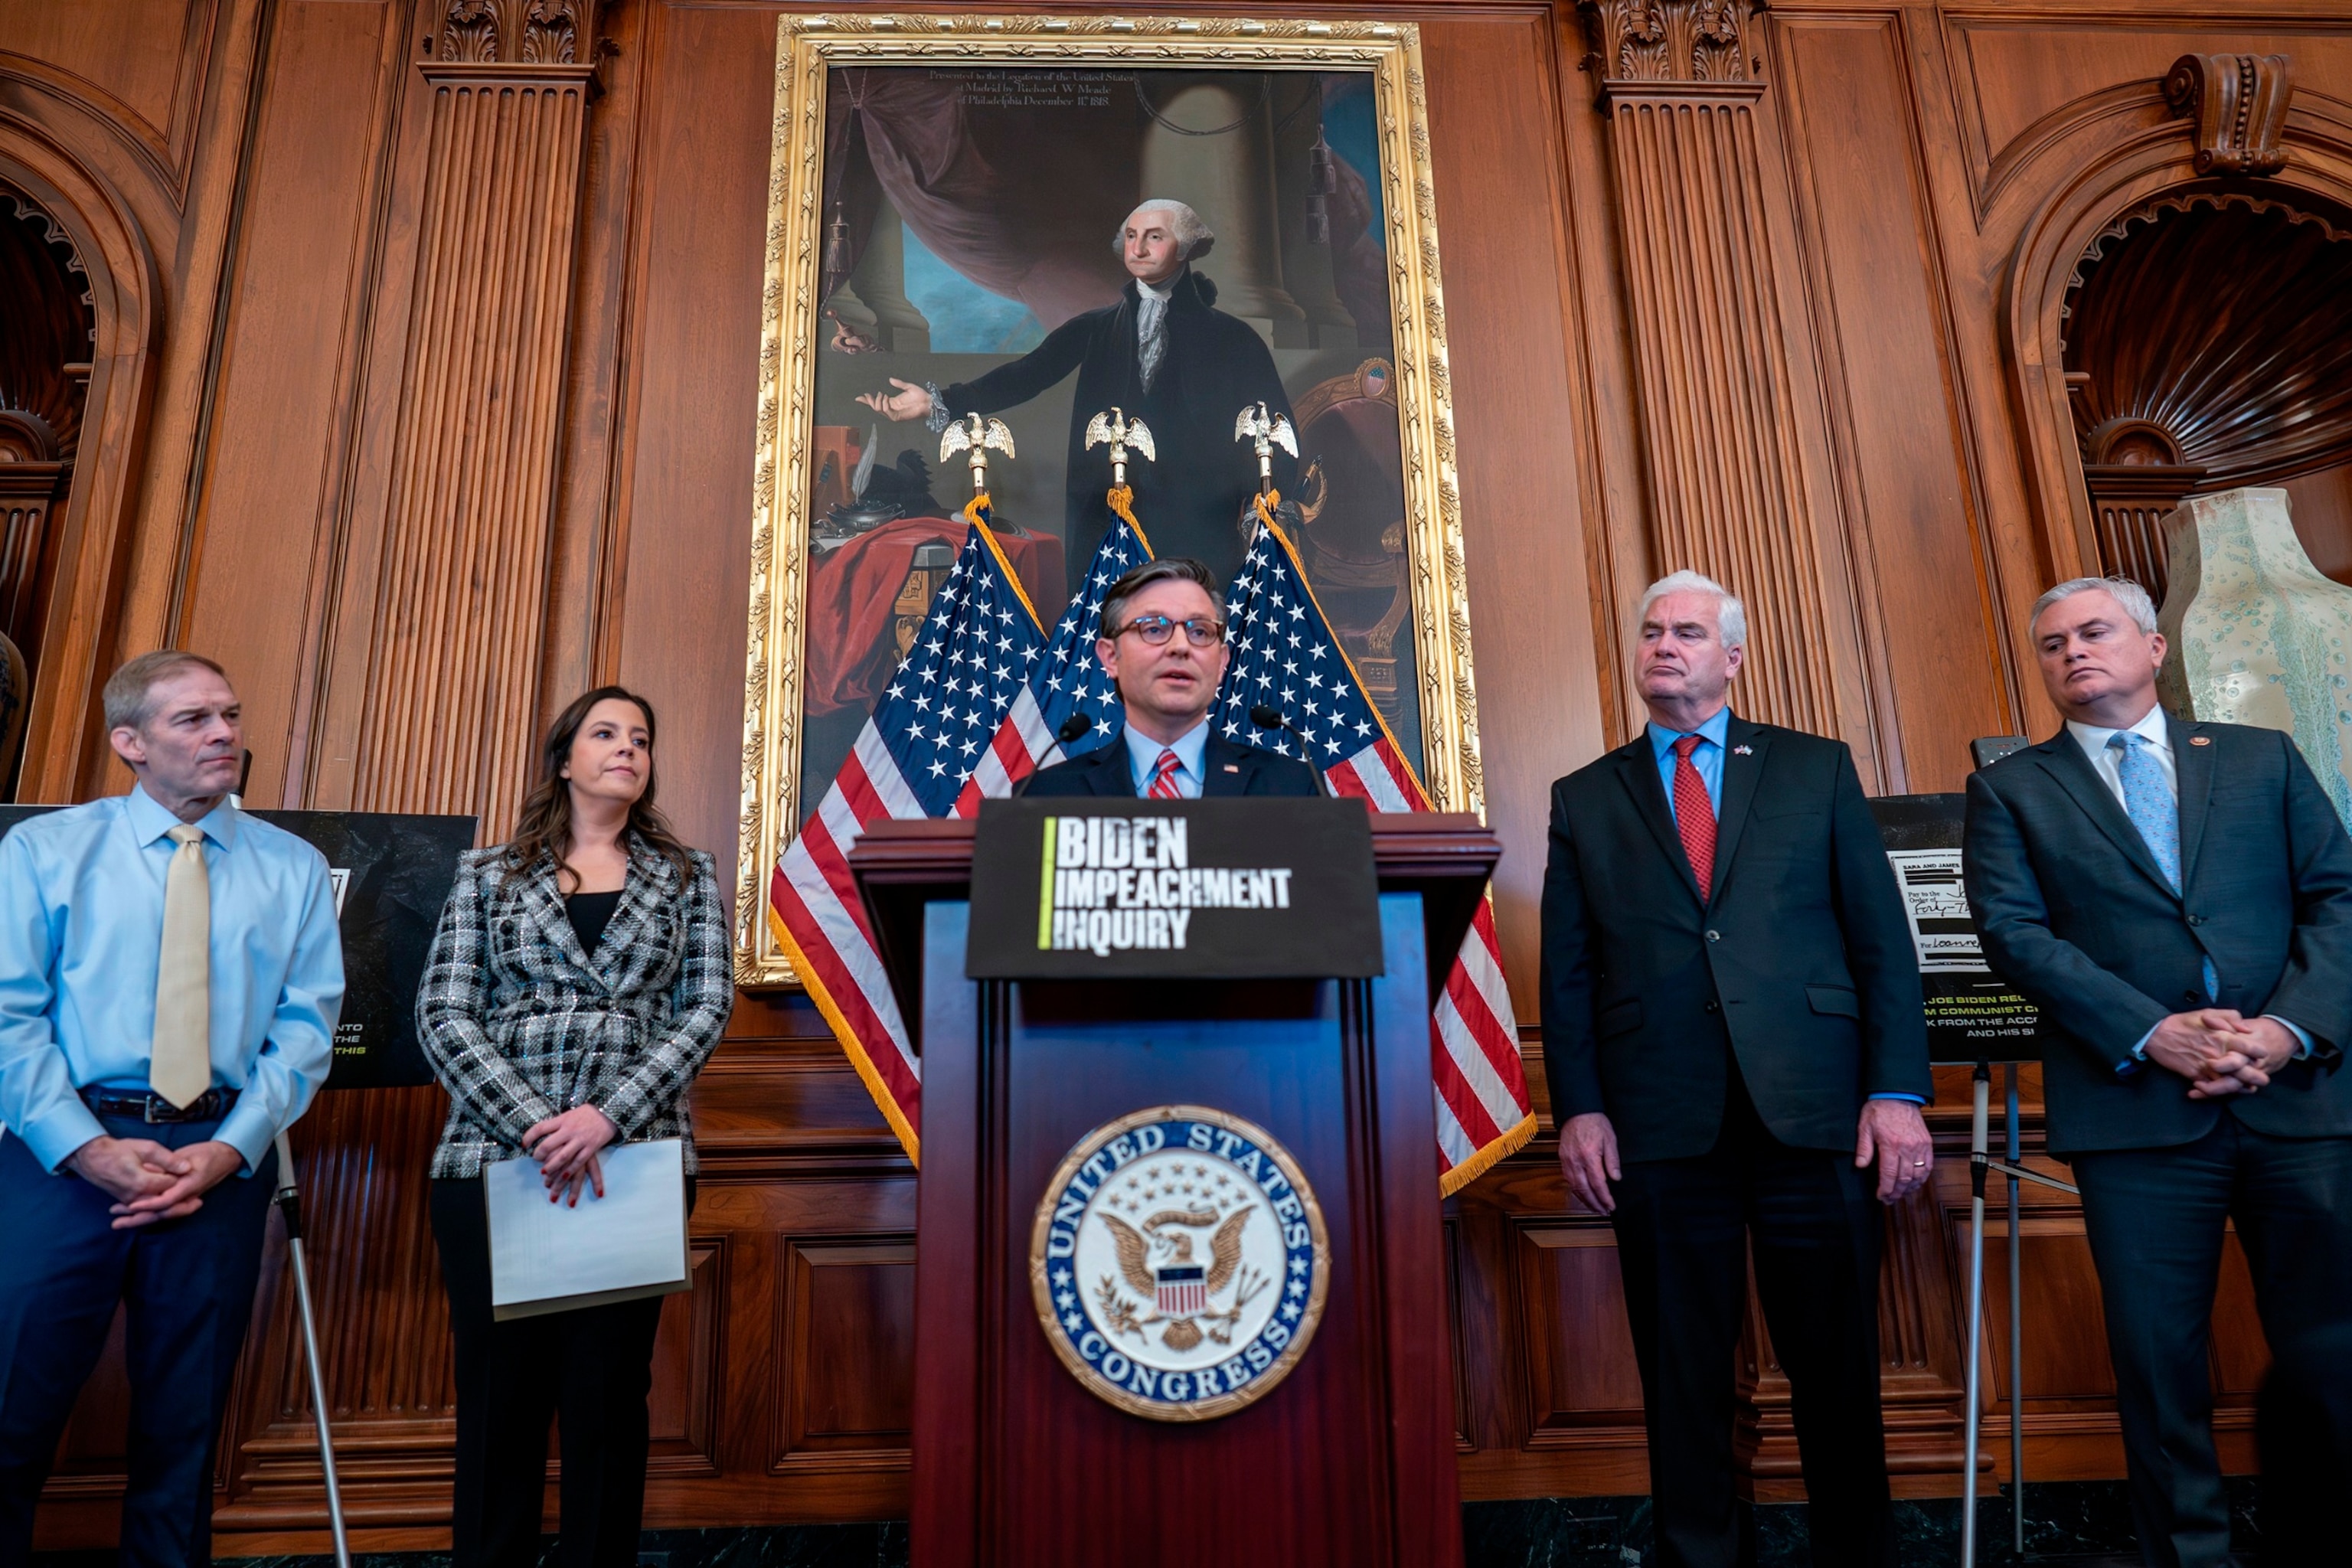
1719,421
451,709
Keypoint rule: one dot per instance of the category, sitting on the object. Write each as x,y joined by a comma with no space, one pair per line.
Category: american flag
1285,657
928,738
1069,679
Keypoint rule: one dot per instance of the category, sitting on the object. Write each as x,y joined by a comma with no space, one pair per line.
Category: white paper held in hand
555,1256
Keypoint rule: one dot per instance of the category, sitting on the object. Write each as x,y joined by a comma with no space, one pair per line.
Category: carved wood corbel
2239,102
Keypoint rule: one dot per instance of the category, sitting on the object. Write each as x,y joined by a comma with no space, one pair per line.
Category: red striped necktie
1693,815
1164,784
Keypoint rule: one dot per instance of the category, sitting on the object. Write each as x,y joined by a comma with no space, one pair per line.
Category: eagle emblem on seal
1179,1263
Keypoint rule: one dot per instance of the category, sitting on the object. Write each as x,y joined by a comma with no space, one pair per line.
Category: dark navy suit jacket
2077,916
1799,965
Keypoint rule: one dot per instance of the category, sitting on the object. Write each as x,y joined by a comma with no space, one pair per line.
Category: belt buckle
147,1108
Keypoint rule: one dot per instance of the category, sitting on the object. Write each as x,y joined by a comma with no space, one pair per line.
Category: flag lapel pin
1743,750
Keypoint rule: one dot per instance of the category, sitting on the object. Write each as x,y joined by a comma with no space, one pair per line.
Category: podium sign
1972,1014
392,873
1084,890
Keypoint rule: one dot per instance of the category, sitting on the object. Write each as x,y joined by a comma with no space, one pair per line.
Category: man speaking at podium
1163,643
1733,1032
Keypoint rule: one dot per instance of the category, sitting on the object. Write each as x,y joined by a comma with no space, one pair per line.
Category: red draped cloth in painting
851,590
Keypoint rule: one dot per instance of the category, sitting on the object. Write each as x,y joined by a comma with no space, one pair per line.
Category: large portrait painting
1006,227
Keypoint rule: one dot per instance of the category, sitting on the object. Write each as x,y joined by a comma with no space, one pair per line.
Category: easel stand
289,1206
1980,1162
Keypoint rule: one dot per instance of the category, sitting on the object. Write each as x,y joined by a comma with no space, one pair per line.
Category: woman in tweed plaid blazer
580,977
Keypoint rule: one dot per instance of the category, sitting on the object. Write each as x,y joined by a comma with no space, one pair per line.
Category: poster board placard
1972,1015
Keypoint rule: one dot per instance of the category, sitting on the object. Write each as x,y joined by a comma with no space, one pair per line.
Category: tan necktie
180,1068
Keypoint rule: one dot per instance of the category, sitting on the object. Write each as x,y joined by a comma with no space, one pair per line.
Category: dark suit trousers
1684,1230
2155,1218
187,1288
588,1370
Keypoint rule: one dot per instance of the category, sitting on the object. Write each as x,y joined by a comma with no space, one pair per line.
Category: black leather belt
209,1106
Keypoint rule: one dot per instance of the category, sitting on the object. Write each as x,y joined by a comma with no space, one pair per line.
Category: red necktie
1693,815
1163,786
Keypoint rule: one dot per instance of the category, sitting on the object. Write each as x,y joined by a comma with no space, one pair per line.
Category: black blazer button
2191,997
1713,1008
1715,936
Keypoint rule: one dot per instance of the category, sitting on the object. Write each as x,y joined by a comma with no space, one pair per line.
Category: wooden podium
1350,1462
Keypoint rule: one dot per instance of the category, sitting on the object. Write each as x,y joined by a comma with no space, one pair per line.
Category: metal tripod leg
1978,1152
289,1202
2016,1330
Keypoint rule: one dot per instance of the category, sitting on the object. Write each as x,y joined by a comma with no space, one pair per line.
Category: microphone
1073,728
1266,716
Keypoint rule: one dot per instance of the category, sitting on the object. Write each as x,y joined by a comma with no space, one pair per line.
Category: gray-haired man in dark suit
2178,899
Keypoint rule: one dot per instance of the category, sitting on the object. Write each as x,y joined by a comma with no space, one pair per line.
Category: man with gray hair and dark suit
1163,353
2177,897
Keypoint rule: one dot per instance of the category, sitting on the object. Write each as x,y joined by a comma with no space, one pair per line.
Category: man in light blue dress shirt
111,1192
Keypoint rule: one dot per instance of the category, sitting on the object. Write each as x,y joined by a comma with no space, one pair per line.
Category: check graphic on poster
1937,903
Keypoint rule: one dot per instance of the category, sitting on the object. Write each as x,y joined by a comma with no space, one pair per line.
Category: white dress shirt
1143,758
2108,763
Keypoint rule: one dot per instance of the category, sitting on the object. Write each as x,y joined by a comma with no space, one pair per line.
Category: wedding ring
1918,1165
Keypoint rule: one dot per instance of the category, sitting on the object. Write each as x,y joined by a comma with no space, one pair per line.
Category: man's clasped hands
2220,1051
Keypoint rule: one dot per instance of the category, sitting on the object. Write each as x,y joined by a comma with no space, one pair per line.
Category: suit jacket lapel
1739,776
2062,756
546,906
1637,766
1111,774
2192,767
652,880
1226,769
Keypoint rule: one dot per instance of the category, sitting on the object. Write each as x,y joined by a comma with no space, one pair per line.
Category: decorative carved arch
2139,163
94,522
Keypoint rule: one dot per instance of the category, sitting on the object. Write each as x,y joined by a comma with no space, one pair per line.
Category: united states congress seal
1179,1263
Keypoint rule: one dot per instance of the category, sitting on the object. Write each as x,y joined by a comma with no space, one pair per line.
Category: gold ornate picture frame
809,311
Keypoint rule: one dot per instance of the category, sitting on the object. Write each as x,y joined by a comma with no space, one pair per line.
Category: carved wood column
451,711
1720,417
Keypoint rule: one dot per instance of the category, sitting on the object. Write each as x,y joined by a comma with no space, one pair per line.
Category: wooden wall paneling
1616,504
474,486
586,580
689,1383
266,518
383,1328
1881,337
681,518
142,64
1731,416
47,152
1492,85
845,1398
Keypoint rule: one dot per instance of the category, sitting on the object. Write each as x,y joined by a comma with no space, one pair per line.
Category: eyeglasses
1199,631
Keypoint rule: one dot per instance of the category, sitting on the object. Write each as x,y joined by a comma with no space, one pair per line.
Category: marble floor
2079,1524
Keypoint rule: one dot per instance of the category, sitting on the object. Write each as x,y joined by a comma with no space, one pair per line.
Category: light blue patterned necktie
2157,814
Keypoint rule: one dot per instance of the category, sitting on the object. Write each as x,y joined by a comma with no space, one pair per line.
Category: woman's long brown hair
543,826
